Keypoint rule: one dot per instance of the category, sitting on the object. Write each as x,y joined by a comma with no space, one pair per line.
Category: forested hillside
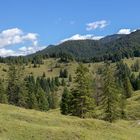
113,48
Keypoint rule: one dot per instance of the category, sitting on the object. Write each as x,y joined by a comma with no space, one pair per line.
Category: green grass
22,124
131,61
133,106
51,62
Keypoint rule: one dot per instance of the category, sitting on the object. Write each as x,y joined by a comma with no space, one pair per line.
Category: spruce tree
32,100
12,85
41,98
16,90
57,83
54,100
63,83
82,100
3,95
65,102
22,89
65,73
22,97
70,78
61,73
124,76
137,83
128,88
122,106
110,97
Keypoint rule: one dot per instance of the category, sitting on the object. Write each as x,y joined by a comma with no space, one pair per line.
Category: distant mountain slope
111,38
108,47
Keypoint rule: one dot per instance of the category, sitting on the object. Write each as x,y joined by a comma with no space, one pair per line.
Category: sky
27,26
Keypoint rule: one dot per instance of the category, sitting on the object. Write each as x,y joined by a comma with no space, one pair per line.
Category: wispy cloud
82,37
97,24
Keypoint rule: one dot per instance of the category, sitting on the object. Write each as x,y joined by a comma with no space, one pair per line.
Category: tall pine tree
110,96
82,100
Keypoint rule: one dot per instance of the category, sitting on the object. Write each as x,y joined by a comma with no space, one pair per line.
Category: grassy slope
133,106
48,63
22,124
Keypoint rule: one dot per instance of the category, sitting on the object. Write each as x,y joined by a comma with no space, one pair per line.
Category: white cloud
97,24
15,36
30,49
11,32
6,52
82,37
30,36
124,31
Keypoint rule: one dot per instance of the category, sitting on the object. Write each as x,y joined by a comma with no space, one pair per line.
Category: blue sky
29,25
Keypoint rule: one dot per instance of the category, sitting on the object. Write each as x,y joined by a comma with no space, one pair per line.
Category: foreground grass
21,124
133,106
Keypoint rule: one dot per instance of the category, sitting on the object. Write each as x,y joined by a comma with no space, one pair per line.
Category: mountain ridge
112,47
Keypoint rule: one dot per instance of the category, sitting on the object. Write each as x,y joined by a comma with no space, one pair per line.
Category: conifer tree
82,100
133,81
65,73
65,102
63,83
128,88
122,106
22,97
12,85
57,83
22,89
110,97
42,101
41,98
137,83
124,75
70,78
16,89
54,100
61,73
32,100
3,95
